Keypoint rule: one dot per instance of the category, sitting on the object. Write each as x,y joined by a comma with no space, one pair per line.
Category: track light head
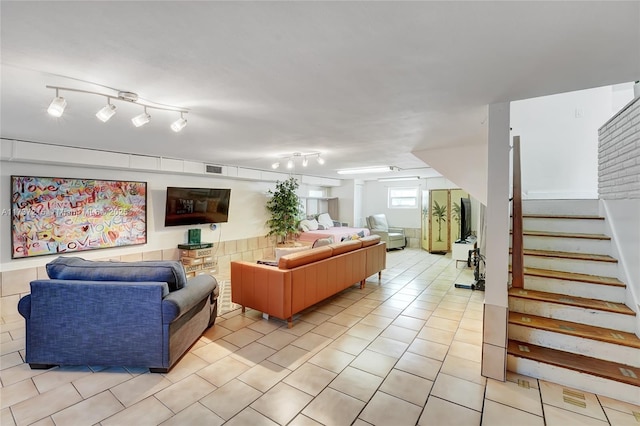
179,124
57,106
106,112
290,163
320,160
275,165
305,162
142,119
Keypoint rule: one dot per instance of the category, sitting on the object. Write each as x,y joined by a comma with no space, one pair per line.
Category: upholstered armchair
394,237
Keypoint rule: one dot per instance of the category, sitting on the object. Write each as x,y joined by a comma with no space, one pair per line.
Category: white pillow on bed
308,225
325,220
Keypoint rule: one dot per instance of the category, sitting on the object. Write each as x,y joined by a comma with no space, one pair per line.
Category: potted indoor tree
285,209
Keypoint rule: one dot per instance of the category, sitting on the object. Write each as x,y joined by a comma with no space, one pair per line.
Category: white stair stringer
576,288
575,379
577,225
598,318
574,344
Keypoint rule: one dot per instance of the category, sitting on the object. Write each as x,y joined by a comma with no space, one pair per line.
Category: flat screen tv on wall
193,206
52,215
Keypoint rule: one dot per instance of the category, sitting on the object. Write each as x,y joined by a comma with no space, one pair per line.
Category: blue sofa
143,314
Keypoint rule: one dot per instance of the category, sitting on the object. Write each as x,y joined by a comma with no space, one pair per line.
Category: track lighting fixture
106,112
305,159
58,104
179,124
142,119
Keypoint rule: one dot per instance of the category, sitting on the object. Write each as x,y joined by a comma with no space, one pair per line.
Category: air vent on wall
214,169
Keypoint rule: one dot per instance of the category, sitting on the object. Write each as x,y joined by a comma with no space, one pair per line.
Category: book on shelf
195,246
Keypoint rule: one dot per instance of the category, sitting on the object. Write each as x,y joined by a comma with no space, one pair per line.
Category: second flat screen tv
193,206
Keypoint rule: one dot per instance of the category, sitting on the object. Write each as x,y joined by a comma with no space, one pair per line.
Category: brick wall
619,155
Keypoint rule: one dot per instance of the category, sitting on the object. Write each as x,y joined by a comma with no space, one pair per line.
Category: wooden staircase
569,323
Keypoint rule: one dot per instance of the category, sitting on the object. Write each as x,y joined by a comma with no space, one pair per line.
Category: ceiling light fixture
398,179
290,159
142,119
106,112
380,169
58,104
179,124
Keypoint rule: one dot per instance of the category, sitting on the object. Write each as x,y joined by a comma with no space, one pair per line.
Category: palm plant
440,213
455,216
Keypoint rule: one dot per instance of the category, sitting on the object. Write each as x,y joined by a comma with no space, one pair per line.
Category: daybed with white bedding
325,227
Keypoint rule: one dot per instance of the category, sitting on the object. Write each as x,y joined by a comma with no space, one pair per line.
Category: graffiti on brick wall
63,215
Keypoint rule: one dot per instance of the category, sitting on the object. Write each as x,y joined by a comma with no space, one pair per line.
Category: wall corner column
496,308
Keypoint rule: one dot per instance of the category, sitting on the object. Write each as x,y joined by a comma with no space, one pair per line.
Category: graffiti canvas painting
62,215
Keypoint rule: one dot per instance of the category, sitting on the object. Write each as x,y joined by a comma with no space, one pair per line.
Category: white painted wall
497,212
375,200
247,215
559,140
464,165
346,205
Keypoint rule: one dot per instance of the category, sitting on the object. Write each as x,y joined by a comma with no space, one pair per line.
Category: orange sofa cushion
300,258
371,240
345,247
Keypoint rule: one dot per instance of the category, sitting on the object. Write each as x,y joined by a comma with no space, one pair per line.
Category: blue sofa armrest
177,303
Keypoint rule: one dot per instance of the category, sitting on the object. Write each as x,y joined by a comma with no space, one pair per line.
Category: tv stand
460,252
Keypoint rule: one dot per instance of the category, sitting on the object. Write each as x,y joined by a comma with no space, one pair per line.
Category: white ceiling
364,83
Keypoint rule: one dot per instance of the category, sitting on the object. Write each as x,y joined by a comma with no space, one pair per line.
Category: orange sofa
305,278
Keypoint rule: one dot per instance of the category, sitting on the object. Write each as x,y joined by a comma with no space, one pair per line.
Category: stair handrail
517,252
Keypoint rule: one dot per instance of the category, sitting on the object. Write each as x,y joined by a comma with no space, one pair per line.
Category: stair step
581,363
581,302
566,235
582,224
561,216
573,276
601,334
574,284
570,261
561,207
570,255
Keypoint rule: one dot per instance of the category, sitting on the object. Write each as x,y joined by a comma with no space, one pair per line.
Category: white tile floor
403,351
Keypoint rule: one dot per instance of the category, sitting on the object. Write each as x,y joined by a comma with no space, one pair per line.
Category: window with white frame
403,198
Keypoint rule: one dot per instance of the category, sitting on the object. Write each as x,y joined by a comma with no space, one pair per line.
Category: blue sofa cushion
75,268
